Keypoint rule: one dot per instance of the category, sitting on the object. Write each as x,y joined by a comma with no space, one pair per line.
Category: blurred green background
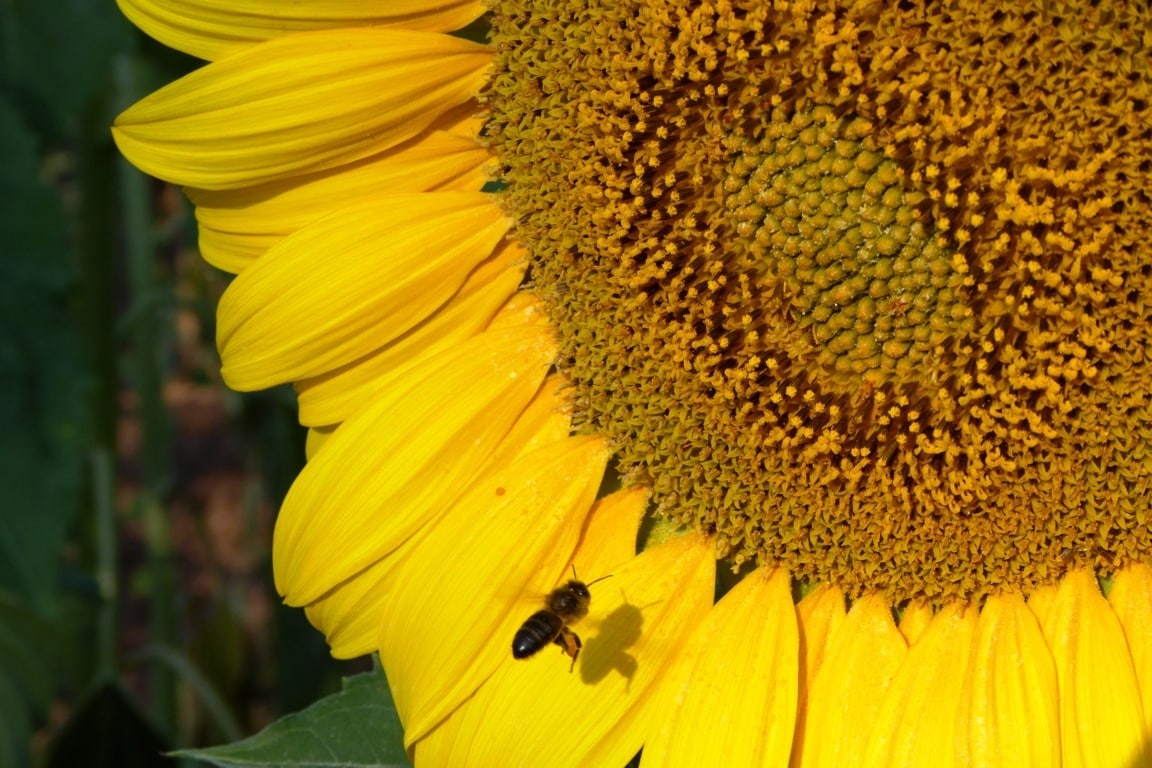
137,493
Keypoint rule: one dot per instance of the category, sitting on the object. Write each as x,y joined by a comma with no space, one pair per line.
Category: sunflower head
857,289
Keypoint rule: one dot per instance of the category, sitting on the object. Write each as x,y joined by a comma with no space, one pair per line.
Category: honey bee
565,605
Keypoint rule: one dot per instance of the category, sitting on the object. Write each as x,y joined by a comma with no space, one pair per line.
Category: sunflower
849,300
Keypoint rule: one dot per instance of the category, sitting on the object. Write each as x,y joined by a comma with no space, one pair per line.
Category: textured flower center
838,244
857,290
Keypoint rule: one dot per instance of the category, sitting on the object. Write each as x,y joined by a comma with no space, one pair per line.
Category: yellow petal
916,724
1041,602
1131,599
316,438
609,538
399,462
349,614
468,585
915,619
333,396
554,416
533,712
348,284
612,523
862,658
239,225
818,617
734,691
544,421
524,308
1101,718
210,29
1012,719
298,104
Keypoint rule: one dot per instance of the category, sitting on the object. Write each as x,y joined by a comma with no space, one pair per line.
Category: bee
565,605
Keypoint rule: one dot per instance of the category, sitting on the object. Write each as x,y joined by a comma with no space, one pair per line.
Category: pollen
857,289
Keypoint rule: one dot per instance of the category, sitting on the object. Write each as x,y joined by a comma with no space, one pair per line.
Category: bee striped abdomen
541,628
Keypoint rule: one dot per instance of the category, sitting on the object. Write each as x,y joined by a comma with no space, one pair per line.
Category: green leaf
356,727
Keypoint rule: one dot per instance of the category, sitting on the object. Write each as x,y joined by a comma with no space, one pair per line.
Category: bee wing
519,599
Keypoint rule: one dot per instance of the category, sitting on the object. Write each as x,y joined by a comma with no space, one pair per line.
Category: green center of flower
840,246
856,291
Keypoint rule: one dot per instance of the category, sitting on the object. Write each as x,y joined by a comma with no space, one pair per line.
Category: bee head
570,600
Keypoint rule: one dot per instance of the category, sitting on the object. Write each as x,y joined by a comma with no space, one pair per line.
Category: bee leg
570,644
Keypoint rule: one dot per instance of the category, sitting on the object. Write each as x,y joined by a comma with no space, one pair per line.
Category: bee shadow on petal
607,650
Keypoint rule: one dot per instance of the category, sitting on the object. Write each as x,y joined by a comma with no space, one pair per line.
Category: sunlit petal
211,29
238,225
609,539
916,724
1131,599
298,104
639,618
333,396
1042,602
316,438
398,463
914,620
349,614
551,422
388,263
469,584
861,660
1012,717
1101,717
544,421
734,689
818,616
